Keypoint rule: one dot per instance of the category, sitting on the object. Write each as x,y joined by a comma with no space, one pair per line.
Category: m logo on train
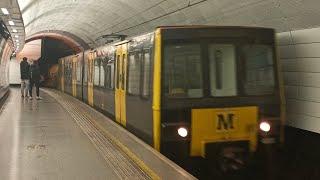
225,121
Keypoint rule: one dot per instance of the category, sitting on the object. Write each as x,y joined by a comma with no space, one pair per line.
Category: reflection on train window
222,62
74,70
90,71
123,71
85,77
96,72
102,74
259,76
78,71
134,73
118,72
146,74
183,71
109,76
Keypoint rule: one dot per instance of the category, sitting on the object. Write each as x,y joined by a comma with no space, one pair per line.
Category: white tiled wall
300,57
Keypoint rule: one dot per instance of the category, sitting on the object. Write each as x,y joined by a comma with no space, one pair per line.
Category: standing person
35,79
24,73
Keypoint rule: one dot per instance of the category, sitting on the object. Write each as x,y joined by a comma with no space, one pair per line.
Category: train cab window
259,69
96,80
183,70
134,73
146,74
222,65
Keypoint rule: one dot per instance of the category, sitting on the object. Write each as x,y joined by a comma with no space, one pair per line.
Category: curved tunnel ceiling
90,19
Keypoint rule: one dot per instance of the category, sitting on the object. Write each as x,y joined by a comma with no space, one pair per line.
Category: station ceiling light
17,40
14,30
11,23
5,11
16,36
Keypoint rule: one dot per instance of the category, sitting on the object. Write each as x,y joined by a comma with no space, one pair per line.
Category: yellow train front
188,91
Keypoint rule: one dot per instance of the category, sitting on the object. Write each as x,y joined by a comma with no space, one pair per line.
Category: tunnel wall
5,54
300,58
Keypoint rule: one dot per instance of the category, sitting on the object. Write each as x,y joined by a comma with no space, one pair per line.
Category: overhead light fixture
5,11
17,40
14,30
11,23
16,36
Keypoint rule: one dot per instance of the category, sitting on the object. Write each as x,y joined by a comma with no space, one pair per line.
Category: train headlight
183,132
265,126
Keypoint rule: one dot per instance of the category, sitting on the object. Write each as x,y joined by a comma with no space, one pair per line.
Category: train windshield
183,70
259,69
230,68
222,70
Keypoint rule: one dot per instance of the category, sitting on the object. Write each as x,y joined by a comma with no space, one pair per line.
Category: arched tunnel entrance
53,45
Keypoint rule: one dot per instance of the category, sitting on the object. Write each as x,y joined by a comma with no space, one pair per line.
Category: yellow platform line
126,150
114,140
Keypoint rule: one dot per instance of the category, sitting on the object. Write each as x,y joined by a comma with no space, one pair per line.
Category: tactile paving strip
120,162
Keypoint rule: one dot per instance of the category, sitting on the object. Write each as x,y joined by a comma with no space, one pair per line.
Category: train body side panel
139,87
103,90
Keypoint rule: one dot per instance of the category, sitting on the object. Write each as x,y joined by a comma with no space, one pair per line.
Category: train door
120,90
74,76
90,77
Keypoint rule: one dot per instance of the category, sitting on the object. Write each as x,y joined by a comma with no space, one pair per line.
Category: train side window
74,70
102,74
134,73
96,72
146,74
109,78
85,74
118,72
78,71
222,70
124,56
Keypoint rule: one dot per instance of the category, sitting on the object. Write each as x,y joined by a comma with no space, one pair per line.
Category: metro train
188,91
6,50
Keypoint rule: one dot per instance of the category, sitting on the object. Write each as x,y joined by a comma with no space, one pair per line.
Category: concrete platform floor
40,140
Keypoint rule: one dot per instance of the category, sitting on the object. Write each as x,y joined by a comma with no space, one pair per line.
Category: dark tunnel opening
51,50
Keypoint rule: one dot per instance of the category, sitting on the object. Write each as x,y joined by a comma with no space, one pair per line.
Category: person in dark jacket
35,79
24,73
